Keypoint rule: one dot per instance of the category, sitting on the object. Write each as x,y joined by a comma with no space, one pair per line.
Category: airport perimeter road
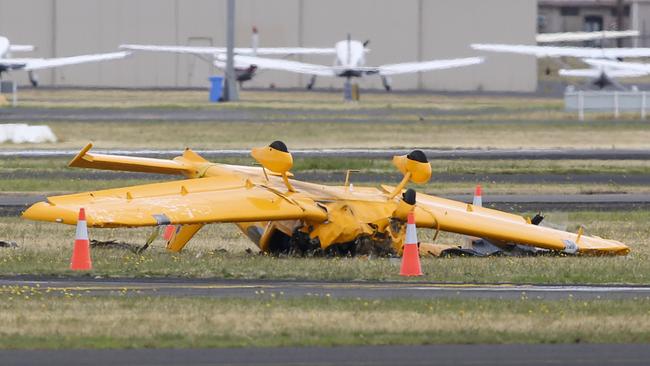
510,354
432,154
260,289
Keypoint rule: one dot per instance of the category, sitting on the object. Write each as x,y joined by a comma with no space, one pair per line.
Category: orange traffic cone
169,232
411,253
478,199
80,260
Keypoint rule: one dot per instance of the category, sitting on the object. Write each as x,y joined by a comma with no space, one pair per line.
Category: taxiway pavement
508,354
274,288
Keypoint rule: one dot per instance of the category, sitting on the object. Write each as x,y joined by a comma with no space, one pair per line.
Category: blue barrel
216,87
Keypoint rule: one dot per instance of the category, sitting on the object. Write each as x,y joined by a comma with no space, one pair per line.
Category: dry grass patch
126,98
394,133
39,321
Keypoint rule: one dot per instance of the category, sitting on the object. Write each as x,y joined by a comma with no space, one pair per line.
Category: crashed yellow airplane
283,215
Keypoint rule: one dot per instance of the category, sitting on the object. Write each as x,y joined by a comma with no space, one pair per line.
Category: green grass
474,133
272,100
31,320
51,172
219,251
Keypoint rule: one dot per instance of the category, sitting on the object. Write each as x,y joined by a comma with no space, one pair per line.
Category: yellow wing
193,201
491,224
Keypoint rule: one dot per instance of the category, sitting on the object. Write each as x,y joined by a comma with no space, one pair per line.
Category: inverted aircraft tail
190,164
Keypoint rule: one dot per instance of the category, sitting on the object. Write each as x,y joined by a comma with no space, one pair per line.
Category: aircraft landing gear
33,78
153,236
386,81
311,83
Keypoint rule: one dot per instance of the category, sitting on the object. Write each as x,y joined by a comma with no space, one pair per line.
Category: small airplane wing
46,63
411,67
584,36
21,48
237,50
192,201
283,65
580,52
502,227
195,50
619,65
595,73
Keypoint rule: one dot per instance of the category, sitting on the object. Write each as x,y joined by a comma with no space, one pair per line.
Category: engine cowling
405,205
275,157
416,164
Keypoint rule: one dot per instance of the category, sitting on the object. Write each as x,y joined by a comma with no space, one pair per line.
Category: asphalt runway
432,154
361,115
265,288
497,355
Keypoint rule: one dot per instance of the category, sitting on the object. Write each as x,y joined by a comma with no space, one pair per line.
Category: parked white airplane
244,71
32,64
584,36
601,76
349,61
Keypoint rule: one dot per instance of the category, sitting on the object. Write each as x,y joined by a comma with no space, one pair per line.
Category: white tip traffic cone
478,199
80,260
411,254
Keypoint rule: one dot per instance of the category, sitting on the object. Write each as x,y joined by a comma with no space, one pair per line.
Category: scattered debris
8,244
114,244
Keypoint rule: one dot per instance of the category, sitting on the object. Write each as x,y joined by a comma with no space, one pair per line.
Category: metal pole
616,109
230,92
620,9
643,105
14,97
581,106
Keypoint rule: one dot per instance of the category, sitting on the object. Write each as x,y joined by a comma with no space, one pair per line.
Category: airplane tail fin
255,40
188,164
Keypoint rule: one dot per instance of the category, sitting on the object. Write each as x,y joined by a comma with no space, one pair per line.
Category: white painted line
534,289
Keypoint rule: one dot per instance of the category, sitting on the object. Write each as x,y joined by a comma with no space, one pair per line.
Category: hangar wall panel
446,34
29,22
391,27
399,31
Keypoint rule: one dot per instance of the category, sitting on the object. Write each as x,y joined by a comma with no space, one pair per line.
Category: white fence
614,102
